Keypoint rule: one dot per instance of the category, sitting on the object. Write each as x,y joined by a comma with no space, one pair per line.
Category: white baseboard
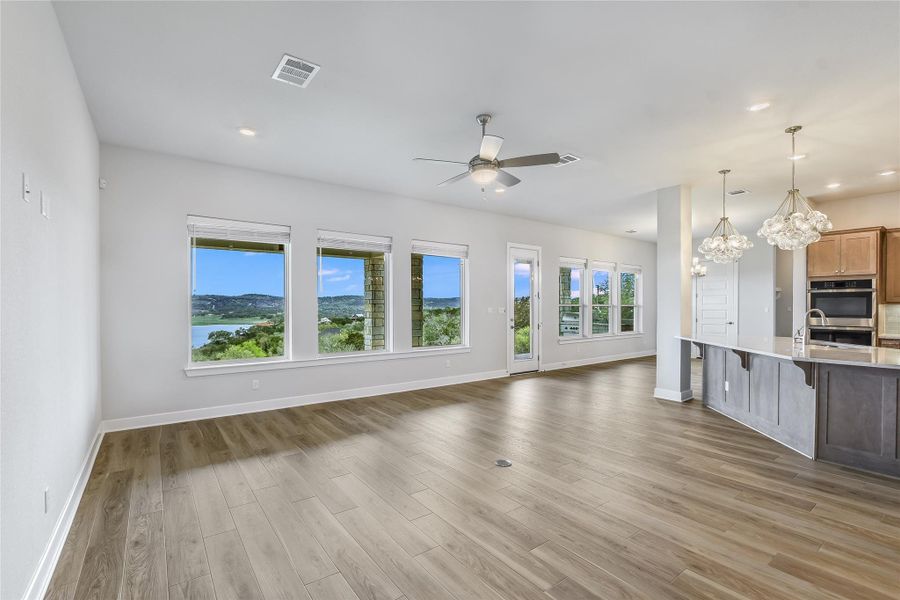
596,360
40,581
673,395
227,410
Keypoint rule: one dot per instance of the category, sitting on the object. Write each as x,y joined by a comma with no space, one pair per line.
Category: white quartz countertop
784,347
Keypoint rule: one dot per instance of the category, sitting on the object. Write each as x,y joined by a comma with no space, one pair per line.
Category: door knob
729,322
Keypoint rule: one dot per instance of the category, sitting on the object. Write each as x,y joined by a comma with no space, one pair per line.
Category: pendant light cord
793,160
724,175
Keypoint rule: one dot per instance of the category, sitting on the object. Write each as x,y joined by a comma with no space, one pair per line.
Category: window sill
597,338
277,365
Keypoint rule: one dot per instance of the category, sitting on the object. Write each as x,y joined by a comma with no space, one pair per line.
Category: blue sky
339,276
235,272
522,279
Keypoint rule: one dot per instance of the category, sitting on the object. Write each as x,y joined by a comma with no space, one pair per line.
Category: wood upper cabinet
824,257
892,266
859,253
843,254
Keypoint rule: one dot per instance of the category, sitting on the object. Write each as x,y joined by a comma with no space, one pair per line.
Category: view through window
570,300
437,292
629,301
600,301
522,279
352,292
237,299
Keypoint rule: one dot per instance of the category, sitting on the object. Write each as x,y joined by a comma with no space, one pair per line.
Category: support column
373,330
417,301
673,293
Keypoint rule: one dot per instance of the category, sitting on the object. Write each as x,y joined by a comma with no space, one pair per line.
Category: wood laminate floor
612,494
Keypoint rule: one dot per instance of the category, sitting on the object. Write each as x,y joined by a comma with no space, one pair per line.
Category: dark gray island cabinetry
834,404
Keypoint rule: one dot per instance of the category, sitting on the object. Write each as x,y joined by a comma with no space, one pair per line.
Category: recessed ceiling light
759,106
247,131
797,156
631,231
888,172
500,190
833,186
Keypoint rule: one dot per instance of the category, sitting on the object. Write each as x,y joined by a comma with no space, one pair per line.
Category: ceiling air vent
565,159
295,71
738,192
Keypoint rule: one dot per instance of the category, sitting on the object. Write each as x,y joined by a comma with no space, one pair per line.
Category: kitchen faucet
802,334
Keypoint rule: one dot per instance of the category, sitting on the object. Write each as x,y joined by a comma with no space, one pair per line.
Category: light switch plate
45,205
26,188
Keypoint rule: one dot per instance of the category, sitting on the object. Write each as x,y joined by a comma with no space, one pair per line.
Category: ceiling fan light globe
483,175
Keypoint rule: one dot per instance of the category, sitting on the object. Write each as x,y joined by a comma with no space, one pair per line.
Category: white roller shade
572,263
243,231
353,241
440,249
599,265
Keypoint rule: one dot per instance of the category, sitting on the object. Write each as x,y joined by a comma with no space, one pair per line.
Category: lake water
200,333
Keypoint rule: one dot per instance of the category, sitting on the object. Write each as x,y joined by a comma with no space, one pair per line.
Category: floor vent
295,71
566,159
738,192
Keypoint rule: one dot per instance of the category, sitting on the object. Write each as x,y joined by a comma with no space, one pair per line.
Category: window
437,281
602,274
570,290
629,300
353,292
238,290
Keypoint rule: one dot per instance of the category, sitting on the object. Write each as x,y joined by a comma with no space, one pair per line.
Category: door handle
729,322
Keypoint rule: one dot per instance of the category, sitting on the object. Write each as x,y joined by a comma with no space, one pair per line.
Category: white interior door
523,309
715,302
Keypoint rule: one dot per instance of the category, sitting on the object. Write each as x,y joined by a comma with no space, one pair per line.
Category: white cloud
339,278
326,272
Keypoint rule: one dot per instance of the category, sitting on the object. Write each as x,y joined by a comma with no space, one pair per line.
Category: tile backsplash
889,317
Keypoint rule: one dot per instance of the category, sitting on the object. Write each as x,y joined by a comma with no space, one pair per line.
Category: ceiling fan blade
506,180
454,179
490,147
532,160
455,162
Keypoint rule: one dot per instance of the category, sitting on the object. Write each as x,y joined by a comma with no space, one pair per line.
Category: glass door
523,309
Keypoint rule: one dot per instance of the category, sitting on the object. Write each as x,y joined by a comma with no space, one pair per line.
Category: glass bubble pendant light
724,244
795,224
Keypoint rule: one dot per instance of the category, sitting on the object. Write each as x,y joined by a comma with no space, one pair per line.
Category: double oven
849,306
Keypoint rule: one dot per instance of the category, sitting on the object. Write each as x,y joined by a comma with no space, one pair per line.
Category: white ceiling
648,94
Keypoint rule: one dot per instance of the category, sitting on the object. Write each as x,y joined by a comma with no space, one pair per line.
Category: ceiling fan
484,168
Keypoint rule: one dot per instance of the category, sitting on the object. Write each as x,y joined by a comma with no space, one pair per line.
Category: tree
441,327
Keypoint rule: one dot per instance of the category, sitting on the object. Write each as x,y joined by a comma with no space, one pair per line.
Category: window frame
638,299
610,268
573,264
446,250
360,241
199,220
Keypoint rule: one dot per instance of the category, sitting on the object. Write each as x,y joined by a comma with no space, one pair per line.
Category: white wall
145,279
756,298
784,304
49,377
865,211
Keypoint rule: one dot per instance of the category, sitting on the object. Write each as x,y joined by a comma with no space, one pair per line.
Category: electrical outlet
726,387
46,500
26,188
45,205
254,384
447,363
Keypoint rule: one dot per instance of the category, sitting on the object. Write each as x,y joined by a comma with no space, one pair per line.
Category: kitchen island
827,403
